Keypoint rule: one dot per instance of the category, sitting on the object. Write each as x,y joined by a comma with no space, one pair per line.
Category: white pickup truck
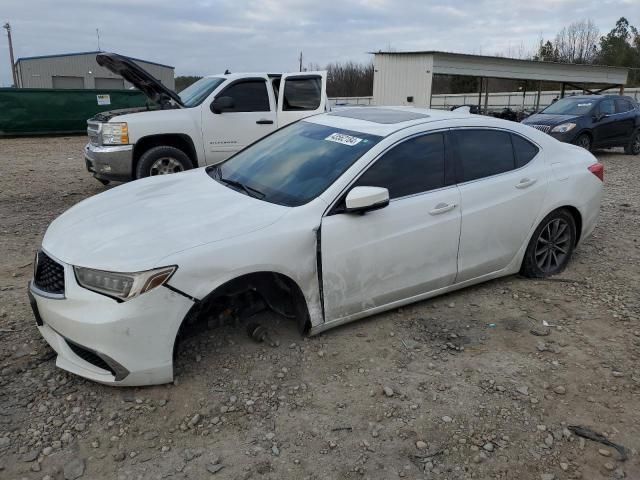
205,124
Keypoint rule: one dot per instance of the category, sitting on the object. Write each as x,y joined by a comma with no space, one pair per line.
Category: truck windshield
195,93
295,164
570,106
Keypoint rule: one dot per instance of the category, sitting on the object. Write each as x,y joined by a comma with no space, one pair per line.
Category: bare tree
350,79
577,43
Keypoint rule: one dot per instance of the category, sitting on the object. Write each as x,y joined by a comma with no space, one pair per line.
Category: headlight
122,286
115,134
563,128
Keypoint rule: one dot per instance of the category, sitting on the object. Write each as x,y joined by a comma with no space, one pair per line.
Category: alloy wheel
165,166
584,142
635,147
553,245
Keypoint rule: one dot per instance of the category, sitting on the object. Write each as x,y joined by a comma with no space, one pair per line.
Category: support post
621,89
480,94
486,96
538,96
562,89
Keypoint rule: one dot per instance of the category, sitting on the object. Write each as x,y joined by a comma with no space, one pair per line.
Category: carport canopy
406,78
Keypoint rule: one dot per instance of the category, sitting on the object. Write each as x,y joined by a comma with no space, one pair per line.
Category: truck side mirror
220,104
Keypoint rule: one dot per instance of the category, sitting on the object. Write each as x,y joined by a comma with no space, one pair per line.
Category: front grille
542,128
90,357
93,131
49,275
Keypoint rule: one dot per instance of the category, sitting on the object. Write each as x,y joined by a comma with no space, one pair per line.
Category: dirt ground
466,386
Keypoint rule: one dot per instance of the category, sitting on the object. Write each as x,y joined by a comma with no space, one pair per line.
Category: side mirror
220,104
364,199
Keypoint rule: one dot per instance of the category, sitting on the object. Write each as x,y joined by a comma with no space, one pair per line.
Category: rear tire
551,245
162,160
633,147
584,141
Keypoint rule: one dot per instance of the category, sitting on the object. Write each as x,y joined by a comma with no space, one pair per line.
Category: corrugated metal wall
38,72
399,76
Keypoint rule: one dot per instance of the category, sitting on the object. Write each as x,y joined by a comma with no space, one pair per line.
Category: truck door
301,95
240,114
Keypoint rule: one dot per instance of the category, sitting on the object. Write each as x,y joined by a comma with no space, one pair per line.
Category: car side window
524,150
414,166
607,107
623,105
250,96
303,93
483,153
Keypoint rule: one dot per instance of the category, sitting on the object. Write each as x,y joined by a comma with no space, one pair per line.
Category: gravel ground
465,386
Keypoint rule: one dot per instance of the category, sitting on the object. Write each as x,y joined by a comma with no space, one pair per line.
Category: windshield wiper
252,192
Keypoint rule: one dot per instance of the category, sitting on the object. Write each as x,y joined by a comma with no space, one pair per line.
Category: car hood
548,119
139,77
134,226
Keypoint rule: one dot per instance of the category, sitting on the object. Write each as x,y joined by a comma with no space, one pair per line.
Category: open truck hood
139,77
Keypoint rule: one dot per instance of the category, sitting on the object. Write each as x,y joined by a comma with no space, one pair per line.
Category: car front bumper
116,343
113,162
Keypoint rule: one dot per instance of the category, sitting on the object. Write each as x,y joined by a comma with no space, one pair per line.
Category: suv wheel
633,147
584,141
162,160
551,245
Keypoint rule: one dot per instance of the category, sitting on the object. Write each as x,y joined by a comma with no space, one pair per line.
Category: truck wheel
162,160
633,147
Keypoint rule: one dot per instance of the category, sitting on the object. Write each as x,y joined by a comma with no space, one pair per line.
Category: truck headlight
563,128
115,134
122,286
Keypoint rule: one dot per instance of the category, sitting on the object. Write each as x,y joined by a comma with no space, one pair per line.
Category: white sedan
331,219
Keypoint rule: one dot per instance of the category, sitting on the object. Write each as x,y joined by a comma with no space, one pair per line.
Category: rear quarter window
524,150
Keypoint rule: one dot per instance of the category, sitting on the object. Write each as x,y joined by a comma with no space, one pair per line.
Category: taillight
598,170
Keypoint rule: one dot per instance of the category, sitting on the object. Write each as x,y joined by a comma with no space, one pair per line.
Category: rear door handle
264,121
526,182
442,208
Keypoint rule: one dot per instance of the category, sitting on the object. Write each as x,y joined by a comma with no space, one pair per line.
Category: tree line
580,42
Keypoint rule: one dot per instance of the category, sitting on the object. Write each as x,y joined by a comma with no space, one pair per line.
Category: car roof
382,121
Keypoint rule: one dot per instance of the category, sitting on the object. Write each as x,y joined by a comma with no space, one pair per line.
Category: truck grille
49,274
542,128
93,131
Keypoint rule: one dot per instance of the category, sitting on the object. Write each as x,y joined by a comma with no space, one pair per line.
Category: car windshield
295,164
195,93
570,106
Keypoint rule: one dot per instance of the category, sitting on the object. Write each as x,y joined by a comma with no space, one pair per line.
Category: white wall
397,77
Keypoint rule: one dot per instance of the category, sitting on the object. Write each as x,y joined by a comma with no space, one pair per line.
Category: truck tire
162,160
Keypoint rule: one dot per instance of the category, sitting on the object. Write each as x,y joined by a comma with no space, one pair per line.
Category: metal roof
502,67
95,52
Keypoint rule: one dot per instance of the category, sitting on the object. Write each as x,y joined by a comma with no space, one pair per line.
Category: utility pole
98,35
301,61
7,27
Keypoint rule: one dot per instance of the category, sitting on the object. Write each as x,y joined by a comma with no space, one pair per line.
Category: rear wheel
584,141
551,245
162,160
633,147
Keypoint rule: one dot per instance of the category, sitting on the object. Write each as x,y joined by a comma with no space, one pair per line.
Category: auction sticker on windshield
343,139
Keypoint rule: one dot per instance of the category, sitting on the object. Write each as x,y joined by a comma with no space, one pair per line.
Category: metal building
80,70
406,78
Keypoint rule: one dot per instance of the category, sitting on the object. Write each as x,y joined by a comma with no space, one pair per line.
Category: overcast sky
207,36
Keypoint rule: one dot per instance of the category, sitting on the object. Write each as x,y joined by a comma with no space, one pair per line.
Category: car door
301,95
626,118
502,179
400,251
606,127
251,117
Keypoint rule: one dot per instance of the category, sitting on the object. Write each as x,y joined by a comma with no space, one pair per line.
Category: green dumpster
46,111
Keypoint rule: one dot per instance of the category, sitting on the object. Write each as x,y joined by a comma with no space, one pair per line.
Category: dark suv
592,121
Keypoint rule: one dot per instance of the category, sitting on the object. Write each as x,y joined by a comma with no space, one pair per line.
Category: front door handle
526,182
264,121
442,208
